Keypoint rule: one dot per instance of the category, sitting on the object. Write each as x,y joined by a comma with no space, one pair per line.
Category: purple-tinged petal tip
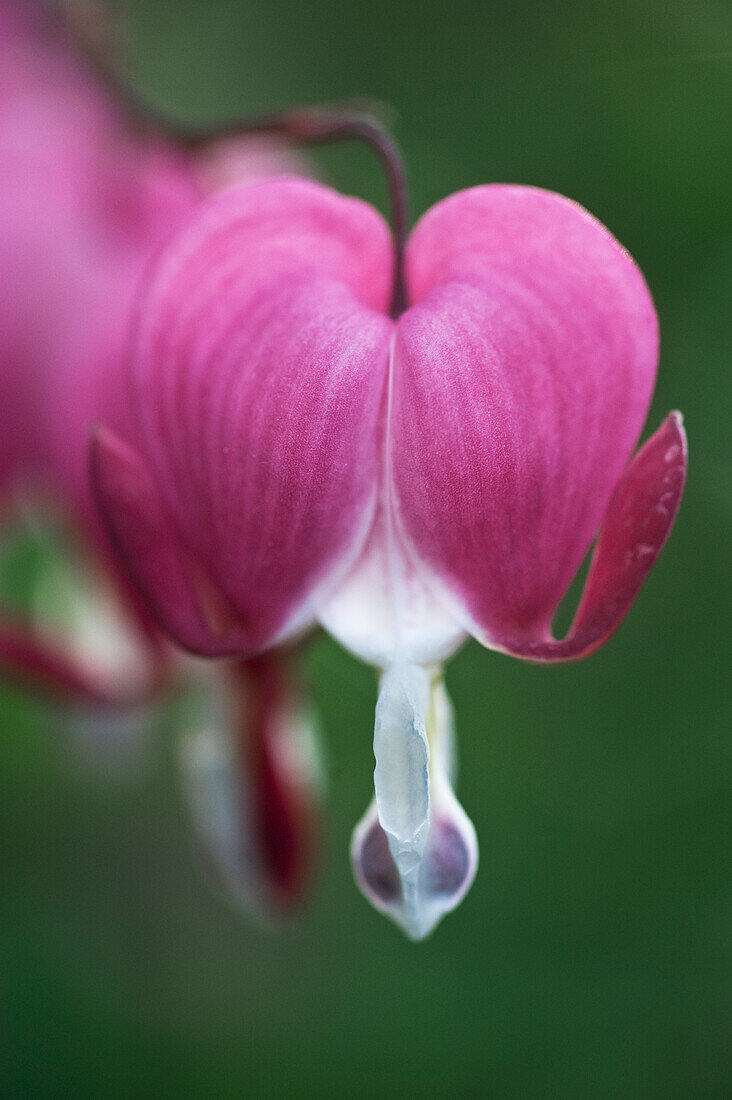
414,852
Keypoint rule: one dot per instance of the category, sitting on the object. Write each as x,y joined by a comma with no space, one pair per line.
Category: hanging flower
88,195
405,480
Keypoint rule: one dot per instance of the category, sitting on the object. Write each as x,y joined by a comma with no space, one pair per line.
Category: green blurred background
591,958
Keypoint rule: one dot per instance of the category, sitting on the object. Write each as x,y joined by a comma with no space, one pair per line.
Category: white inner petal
401,776
382,611
415,852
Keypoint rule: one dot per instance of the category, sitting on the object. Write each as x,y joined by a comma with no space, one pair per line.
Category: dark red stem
307,125
325,125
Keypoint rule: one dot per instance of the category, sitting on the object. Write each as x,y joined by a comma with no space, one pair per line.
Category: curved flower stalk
306,453
87,198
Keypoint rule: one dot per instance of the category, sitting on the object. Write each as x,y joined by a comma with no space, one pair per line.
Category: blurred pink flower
302,457
85,201
251,767
87,198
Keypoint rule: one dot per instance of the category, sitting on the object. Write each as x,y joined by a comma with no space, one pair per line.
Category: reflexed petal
637,523
260,369
414,853
522,377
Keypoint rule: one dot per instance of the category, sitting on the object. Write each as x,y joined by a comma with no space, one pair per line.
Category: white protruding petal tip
414,852
401,776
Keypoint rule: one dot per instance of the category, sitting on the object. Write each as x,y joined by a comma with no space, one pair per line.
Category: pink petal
636,525
85,200
260,366
184,601
522,378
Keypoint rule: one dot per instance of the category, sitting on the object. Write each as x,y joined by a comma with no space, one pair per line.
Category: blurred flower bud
253,779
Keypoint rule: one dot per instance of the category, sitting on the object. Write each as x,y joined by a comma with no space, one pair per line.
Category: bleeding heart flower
302,456
87,197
